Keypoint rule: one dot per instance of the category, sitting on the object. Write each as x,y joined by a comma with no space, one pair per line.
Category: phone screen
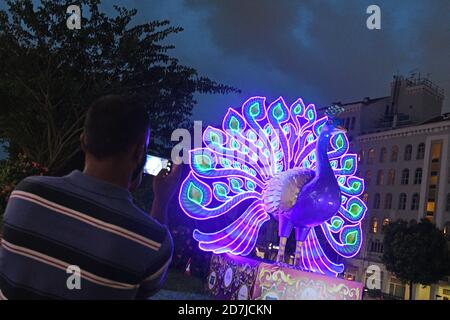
154,165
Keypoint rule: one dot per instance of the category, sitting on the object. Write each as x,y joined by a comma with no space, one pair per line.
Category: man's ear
83,142
137,152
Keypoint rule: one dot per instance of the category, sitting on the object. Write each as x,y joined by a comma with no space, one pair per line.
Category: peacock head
333,125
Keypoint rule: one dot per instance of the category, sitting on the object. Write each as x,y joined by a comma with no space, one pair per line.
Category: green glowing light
235,184
225,163
194,193
254,109
339,141
351,237
214,138
356,185
278,112
336,223
348,164
234,144
203,162
251,136
234,124
220,190
355,209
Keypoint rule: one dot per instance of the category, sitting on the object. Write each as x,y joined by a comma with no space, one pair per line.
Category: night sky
321,51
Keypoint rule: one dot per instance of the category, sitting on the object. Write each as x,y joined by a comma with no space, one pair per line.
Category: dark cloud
320,50
325,47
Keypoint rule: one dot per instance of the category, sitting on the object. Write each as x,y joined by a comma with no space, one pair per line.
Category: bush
12,171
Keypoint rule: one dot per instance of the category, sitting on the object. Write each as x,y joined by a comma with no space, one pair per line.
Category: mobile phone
154,165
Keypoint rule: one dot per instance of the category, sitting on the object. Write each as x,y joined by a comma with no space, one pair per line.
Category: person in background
80,236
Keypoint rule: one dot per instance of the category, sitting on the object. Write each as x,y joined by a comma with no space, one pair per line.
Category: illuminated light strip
280,133
238,237
216,173
252,244
336,244
305,153
236,155
257,128
251,211
315,256
251,230
233,236
308,254
322,255
216,212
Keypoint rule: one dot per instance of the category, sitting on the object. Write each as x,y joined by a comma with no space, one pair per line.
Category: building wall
416,93
428,135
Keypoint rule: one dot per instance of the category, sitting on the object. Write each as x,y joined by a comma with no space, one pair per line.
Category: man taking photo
87,221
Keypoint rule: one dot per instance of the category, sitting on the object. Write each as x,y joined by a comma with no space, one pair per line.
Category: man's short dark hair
113,124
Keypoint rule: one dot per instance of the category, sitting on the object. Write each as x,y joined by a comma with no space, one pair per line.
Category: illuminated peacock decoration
281,162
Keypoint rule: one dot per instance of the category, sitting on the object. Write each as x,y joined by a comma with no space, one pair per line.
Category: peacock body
281,162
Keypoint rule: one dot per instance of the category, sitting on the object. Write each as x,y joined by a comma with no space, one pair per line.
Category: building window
371,156
420,151
346,125
385,222
366,198
447,207
383,155
368,177
374,225
376,201
405,176
394,154
402,202
380,178
415,202
396,288
388,201
352,125
391,177
361,156
436,151
418,176
408,152
376,246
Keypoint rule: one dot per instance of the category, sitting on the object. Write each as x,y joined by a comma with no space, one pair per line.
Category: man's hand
164,187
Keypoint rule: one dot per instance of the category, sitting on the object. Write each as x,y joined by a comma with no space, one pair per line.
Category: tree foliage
49,75
416,253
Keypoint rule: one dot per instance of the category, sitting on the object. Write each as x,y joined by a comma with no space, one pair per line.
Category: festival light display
280,162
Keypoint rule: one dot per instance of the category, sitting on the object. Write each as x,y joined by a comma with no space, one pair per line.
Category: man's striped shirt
55,225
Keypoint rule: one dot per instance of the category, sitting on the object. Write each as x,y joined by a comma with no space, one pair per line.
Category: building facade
404,156
407,174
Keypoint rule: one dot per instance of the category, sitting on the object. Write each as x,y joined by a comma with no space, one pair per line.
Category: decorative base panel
239,278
